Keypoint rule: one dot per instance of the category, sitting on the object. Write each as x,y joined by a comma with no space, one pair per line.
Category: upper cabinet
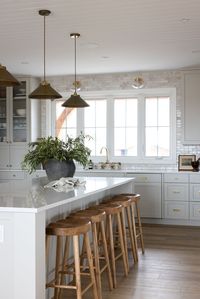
191,113
19,122
19,116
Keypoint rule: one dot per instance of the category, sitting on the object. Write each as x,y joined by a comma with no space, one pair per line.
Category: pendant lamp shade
44,91
6,79
75,101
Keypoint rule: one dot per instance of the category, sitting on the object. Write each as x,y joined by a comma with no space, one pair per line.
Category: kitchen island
26,207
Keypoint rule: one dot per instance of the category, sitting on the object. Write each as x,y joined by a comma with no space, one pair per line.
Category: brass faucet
105,148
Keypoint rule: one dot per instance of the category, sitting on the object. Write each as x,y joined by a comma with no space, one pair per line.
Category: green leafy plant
53,148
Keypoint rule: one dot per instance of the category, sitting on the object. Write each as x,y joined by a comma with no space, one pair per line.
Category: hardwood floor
170,268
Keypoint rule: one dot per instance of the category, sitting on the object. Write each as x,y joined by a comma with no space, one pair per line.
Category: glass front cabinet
13,114
16,123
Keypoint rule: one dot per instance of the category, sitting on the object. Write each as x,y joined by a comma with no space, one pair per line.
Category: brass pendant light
75,101
44,91
6,79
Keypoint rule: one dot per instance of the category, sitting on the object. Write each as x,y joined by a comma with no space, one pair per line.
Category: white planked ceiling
116,35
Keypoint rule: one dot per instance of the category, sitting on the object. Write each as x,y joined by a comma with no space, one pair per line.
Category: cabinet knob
176,210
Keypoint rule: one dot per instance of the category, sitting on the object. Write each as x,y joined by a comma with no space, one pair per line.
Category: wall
123,81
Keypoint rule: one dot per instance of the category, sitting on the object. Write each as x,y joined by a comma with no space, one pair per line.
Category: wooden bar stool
70,229
99,244
135,198
128,232
113,212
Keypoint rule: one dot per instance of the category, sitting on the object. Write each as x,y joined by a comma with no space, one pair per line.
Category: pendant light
6,79
44,91
75,101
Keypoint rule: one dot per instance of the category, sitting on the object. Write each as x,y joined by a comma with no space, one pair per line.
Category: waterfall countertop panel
30,196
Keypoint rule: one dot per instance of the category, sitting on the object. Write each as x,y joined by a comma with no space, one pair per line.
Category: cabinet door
17,154
19,113
3,114
150,203
191,108
4,156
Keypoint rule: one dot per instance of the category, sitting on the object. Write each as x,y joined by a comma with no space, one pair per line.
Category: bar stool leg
121,239
90,262
103,234
96,258
123,226
140,227
65,257
77,266
112,249
58,263
131,234
134,231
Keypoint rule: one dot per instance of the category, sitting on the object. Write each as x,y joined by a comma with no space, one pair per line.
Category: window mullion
110,126
141,127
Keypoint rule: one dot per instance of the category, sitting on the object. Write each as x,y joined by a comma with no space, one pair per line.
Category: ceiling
116,35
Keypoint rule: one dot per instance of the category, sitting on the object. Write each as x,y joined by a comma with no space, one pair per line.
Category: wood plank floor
170,268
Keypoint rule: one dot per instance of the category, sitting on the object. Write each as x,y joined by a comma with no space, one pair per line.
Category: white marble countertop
31,196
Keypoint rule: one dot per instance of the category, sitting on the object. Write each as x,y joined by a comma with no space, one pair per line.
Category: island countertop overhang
30,196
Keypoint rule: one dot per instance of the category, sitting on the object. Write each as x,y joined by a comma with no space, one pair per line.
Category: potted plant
56,156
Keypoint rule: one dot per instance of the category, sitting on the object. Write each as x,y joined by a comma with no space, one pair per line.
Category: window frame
140,94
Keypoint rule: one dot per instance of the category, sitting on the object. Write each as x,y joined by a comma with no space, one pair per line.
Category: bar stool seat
70,229
113,212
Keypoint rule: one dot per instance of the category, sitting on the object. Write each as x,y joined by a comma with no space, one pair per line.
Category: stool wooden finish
71,229
97,218
135,198
130,233
113,212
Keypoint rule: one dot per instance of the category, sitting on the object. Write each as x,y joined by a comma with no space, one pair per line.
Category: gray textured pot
57,169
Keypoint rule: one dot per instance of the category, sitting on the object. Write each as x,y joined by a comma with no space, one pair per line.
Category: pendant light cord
44,49
75,62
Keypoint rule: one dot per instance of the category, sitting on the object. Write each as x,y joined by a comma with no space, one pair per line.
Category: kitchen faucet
105,148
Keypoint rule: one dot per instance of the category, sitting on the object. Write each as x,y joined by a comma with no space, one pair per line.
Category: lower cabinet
195,196
149,187
176,196
11,156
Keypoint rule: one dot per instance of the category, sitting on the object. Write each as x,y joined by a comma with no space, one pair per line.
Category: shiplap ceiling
116,35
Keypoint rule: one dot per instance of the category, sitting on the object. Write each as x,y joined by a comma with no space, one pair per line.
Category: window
66,121
125,127
157,127
136,126
95,117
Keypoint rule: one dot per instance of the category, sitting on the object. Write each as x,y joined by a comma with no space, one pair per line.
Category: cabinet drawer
195,178
145,177
175,177
12,175
176,210
176,192
195,192
195,211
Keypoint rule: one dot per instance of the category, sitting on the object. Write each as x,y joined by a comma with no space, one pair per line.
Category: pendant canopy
6,79
75,101
44,91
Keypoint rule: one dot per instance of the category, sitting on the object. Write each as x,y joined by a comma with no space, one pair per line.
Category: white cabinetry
176,196
191,107
19,122
149,187
195,196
